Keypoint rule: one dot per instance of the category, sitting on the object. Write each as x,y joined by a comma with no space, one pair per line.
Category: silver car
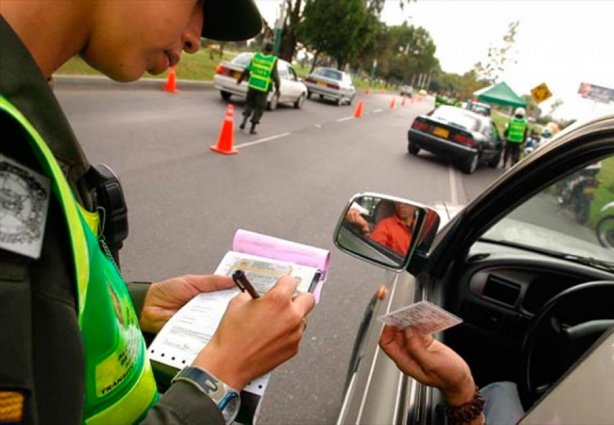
533,287
332,84
291,90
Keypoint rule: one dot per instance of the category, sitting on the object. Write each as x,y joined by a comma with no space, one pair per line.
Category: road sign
540,93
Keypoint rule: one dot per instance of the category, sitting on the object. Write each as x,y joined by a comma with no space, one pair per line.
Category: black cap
231,20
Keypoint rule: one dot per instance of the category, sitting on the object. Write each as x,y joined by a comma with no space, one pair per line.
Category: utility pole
279,25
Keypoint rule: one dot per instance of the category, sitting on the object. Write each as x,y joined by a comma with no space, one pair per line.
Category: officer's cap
231,20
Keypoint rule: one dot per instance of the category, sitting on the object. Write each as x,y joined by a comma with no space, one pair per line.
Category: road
185,202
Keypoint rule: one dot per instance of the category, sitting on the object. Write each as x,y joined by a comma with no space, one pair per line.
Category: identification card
424,316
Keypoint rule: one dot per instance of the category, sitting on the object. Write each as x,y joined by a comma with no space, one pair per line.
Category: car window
329,73
242,59
457,116
292,73
572,217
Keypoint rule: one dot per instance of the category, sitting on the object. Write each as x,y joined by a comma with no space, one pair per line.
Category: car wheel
351,100
298,103
339,101
471,164
225,95
412,149
272,104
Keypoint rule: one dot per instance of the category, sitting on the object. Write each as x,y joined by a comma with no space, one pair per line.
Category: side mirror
385,230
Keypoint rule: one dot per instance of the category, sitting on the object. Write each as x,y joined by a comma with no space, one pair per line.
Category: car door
285,84
376,392
297,88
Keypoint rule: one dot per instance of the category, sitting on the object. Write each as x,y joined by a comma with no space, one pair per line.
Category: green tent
500,94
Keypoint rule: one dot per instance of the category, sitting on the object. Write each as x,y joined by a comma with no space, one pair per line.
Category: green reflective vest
261,68
515,130
120,387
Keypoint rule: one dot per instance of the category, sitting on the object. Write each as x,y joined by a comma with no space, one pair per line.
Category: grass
605,190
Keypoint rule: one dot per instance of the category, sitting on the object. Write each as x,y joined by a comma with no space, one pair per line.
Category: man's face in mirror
403,211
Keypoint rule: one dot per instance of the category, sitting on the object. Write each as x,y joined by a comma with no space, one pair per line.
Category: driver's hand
429,361
354,217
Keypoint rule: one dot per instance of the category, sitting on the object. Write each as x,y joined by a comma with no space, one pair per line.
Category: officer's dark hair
268,47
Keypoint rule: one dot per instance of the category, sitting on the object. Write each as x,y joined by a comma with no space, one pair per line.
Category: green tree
338,28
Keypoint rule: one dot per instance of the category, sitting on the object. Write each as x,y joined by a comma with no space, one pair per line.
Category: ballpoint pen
244,285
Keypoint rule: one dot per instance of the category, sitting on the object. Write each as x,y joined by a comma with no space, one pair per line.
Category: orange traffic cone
392,103
358,110
171,84
227,133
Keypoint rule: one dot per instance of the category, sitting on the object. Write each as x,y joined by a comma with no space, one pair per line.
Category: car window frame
570,151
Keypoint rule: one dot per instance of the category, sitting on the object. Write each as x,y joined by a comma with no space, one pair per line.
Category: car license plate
441,132
322,83
235,74
589,190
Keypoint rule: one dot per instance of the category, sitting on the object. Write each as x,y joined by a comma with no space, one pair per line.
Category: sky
561,43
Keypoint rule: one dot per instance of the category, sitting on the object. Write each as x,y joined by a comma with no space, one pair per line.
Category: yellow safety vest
261,68
120,386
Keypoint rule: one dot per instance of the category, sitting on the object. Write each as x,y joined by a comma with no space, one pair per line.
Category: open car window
572,218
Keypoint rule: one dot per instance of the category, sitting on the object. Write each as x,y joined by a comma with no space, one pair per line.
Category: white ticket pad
425,316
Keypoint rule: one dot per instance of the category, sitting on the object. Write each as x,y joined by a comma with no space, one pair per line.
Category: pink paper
282,250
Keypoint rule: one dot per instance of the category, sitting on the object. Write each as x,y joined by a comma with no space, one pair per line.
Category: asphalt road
186,202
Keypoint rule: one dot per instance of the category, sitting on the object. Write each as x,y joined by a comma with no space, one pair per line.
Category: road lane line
318,125
453,188
266,139
345,119
377,111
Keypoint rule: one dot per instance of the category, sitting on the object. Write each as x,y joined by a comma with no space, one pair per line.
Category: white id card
423,315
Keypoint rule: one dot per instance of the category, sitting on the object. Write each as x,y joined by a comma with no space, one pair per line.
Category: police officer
72,331
515,135
262,73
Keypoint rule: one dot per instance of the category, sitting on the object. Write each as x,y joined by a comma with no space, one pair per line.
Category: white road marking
263,140
318,125
453,188
345,119
377,111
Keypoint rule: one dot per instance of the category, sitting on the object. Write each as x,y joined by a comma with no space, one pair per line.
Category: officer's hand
430,362
164,298
255,336
238,82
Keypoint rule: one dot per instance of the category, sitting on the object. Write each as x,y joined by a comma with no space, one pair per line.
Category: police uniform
72,351
262,72
515,132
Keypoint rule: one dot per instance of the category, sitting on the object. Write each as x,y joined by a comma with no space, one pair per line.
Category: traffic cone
358,110
392,103
227,133
171,84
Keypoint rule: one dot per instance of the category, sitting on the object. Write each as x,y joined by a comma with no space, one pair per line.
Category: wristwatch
226,397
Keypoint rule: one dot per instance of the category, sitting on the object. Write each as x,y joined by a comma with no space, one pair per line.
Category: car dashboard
498,292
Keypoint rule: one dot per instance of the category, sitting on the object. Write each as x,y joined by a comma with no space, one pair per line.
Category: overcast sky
559,42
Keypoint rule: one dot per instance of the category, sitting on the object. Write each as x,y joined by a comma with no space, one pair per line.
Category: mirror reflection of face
403,211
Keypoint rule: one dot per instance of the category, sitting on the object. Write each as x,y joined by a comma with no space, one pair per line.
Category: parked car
533,286
407,90
465,137
332,84
291,91
479,107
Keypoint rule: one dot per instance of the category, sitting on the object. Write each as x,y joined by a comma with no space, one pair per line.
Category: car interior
530,308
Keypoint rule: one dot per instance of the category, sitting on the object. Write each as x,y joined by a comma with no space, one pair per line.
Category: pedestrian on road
72,331
515,135
262,73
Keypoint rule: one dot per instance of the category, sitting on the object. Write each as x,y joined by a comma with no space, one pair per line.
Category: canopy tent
500,94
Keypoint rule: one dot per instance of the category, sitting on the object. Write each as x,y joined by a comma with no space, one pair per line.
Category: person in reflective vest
515,135
262,74
72,330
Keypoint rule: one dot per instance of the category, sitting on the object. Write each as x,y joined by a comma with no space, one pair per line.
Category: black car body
534,288
457,134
